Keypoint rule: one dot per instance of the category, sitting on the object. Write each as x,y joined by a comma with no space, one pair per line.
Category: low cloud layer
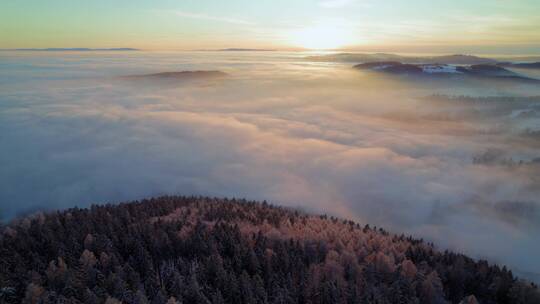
317,136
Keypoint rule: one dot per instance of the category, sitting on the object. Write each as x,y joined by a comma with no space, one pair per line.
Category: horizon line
239,49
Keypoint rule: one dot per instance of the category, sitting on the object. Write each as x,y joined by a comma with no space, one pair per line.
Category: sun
321,37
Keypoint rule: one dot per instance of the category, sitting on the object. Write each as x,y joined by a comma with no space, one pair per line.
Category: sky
423,26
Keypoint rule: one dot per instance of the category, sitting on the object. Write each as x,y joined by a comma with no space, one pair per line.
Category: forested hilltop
205,250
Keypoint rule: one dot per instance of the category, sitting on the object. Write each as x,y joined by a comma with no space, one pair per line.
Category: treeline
204,250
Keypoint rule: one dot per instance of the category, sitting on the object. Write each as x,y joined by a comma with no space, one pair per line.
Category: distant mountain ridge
175,78
364,59
522,65
245,50
180,75
73,49
376,57
236,50
443,70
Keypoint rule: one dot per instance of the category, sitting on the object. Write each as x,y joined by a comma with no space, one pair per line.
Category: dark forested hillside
203,250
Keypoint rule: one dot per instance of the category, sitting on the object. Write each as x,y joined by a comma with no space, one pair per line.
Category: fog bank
320,136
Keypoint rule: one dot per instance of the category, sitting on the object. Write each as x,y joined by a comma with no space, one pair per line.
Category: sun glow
322,37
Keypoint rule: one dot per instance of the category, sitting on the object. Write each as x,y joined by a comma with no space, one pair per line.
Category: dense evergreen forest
205,250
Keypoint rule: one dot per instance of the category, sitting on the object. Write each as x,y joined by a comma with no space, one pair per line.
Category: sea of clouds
317,136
